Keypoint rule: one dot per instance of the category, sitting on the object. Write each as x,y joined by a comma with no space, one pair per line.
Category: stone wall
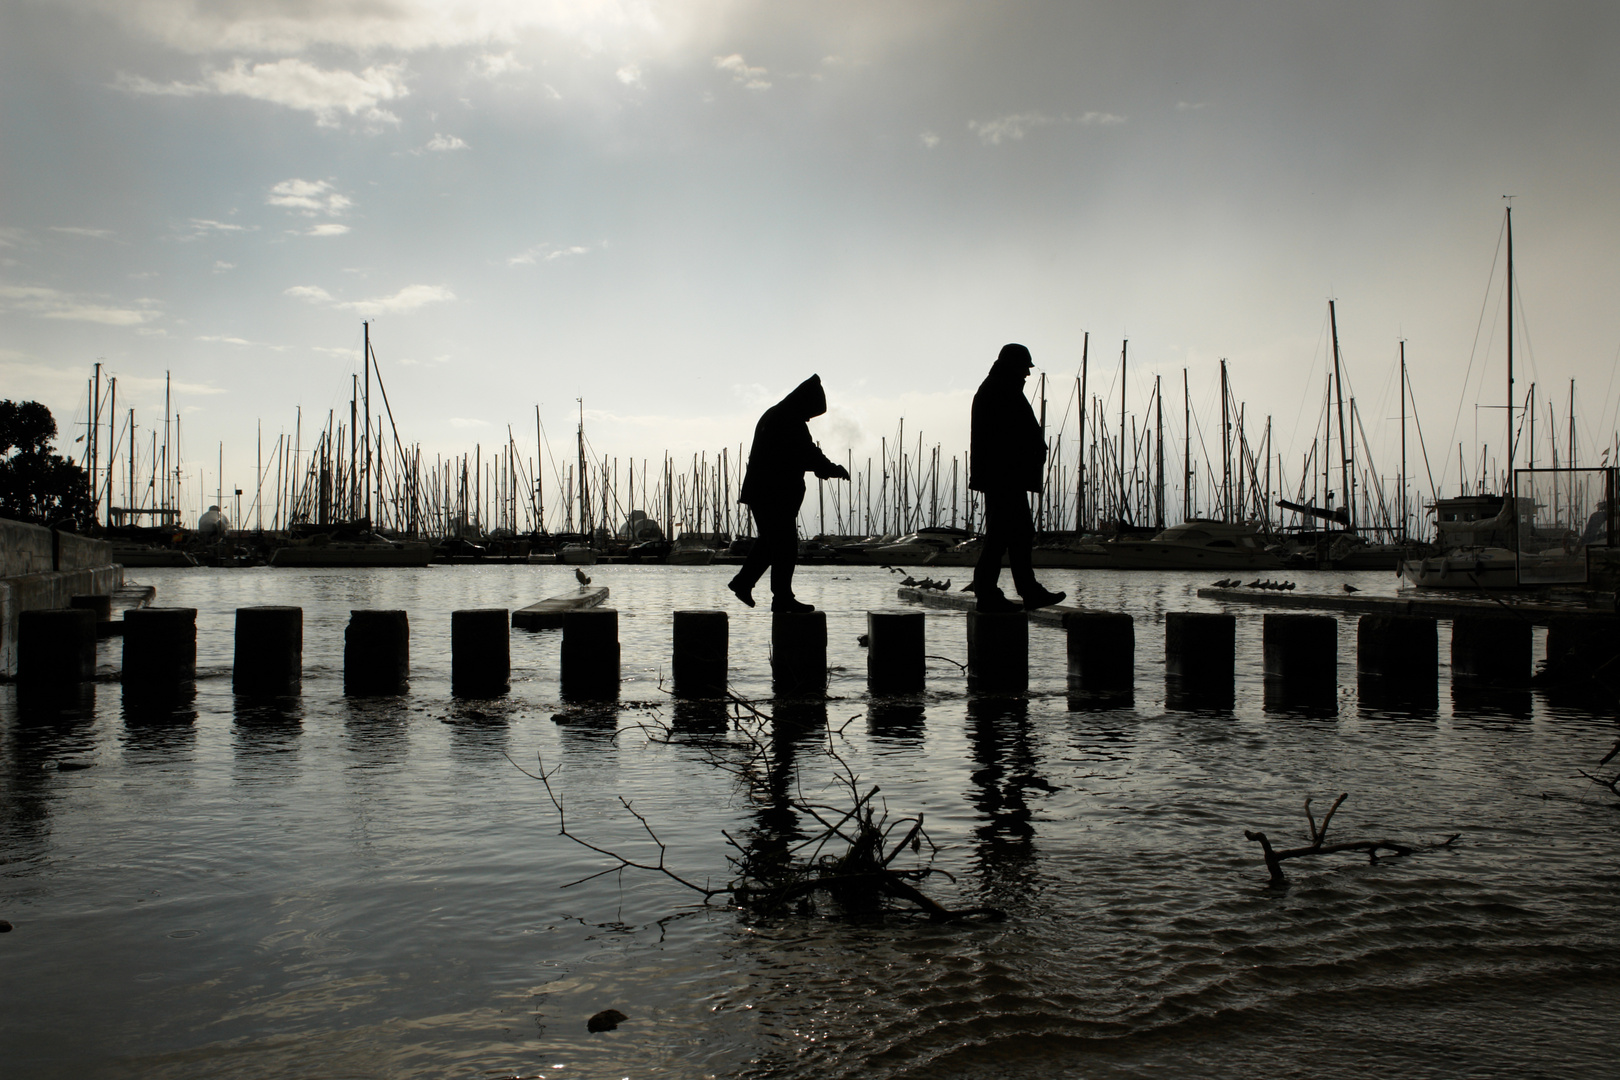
39,569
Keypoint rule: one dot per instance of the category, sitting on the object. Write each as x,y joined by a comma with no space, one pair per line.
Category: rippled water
371,888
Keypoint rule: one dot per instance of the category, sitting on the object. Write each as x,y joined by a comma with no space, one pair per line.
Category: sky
667,214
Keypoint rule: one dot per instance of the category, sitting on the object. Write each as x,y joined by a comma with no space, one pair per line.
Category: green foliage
35,484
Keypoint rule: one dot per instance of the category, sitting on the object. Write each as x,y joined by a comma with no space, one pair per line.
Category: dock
1538,612
959,601
123,598
548,614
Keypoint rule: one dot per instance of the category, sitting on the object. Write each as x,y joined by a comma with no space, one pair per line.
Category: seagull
1350,588
581,576
894,569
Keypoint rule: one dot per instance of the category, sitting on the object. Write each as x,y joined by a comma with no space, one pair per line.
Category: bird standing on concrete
1350,588
581,576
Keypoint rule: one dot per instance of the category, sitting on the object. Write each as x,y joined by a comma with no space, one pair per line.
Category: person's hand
837,472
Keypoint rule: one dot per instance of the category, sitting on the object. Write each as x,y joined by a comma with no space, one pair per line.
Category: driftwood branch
1320,846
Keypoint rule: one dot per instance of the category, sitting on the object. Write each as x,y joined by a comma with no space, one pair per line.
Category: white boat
917,547
577,555
358,552
1191,545
689,550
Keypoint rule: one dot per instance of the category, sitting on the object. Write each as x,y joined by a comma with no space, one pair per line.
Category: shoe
743,592
996,601
788,603
1042,599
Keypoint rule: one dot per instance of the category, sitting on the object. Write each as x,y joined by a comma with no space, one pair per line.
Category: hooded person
1008,462
773,488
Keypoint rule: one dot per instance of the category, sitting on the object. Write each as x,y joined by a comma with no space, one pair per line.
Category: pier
550,613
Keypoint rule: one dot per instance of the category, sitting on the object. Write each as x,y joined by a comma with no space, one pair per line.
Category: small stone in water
606,1020
5,928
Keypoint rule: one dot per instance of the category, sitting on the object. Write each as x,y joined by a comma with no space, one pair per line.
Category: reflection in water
1417,697
266,735
1005,767
45,735
377,730
900,718
700,717
1318,701
160,722
479,728
1493,703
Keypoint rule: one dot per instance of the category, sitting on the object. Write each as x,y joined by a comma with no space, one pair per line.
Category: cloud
493,66
928,139
545,253
286,26
1017,125
464,422
440,144
222,340
77,230
1191,106
46,303
296,84
309,196
409,298
204,226
328,228
629,74
12,237
220,266
752,78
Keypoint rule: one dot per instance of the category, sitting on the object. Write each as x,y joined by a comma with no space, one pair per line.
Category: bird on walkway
1350,588
581,576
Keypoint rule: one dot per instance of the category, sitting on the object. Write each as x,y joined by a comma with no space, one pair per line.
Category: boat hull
354,555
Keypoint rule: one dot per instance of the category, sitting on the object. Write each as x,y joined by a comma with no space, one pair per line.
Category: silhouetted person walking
773,488
1009,458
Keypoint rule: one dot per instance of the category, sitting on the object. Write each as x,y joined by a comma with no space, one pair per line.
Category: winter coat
1007,447
783,451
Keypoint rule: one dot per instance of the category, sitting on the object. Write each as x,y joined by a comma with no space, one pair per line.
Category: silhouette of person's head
1013,363
807,400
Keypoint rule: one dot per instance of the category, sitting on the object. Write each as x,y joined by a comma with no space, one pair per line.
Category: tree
35,484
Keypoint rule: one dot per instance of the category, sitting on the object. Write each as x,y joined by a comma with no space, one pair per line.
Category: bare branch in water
1319,846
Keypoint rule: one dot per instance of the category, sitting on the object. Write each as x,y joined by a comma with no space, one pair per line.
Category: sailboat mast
1510,486
1403,442
1080,443
365,461
1186,449
1123,347
1344,455
1158,442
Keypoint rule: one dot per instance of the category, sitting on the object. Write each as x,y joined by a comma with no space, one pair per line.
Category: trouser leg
784,556
759,556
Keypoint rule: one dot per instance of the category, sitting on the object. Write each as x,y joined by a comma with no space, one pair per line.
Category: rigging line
1305,391
1474,351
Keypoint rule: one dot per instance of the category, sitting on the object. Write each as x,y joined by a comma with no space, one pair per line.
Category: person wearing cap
1008,462
773,489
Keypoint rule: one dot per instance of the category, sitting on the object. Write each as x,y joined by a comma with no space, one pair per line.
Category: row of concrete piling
1395,654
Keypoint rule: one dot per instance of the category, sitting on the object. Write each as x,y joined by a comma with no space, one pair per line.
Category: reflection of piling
480,652
1301,661
269,657
998,651
1198,659
1398,661
377,653
1490,650
160,648
1583,652
1102,655
698,661
590,654
799,653
56,646
895,652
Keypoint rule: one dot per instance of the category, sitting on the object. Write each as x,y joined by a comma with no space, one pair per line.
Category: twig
1318,845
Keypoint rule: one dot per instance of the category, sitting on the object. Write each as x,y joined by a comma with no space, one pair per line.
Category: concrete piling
590,654
799,654
480,652
1102,655
998,651
1301,658
160,649
1583,654
56,646
100,603
700,656
377,653
1199,667
1398,661
269,660
895,652
1490,650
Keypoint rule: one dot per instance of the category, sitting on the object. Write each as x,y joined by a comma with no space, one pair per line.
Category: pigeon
1254,584
581,576
864,641
910,581
1350,588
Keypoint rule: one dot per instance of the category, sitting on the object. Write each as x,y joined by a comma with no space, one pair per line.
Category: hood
807,399
1013,363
